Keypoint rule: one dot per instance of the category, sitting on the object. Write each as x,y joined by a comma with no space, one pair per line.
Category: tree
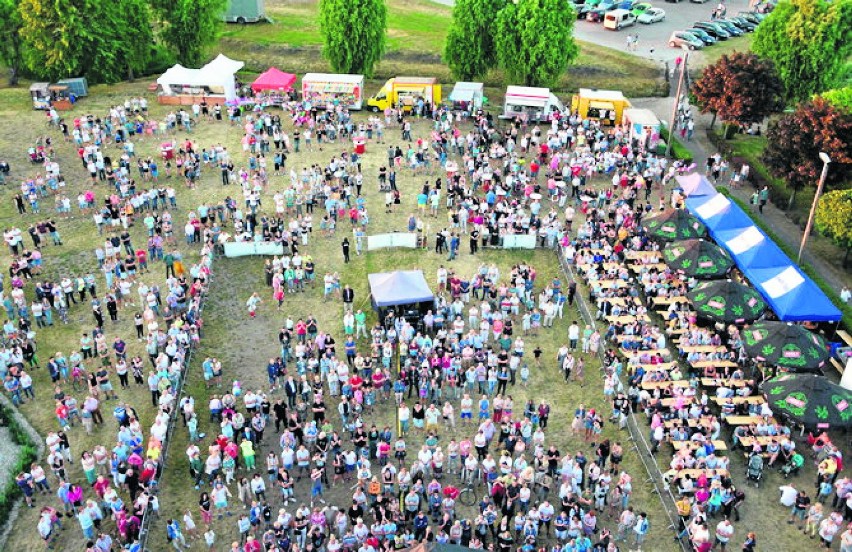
741,88
534,40
190,26
834,218
795,140
56,34
841,98
353,33
11,48
469,51
809,42
59,38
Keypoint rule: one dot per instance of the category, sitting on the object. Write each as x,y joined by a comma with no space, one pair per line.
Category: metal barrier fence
144,530
637,435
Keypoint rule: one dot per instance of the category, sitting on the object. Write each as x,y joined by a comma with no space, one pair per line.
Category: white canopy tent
217,76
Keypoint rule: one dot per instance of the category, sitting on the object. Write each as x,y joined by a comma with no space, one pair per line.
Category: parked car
640,8
618,19
698,1
578,6
716,30
673,1
732,29
743,23
652,15
703,36
596,14
754,17
679,39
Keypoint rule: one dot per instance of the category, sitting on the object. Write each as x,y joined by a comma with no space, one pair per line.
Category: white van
616,19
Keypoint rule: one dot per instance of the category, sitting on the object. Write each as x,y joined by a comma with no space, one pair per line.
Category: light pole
677,100
825,161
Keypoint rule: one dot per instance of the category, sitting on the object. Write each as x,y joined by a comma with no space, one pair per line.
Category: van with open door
617,19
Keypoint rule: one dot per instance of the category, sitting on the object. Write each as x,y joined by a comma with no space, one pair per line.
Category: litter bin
360,144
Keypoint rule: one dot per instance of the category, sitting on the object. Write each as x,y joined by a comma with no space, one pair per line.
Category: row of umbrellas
806,398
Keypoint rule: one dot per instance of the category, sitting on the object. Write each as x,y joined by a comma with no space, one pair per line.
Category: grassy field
416,33
245,345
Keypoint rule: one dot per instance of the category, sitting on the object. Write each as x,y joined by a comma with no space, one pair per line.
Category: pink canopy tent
274,79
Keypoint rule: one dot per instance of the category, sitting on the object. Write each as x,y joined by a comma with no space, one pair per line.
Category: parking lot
653,39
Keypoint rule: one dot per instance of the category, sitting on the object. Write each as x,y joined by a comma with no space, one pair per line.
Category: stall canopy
218,76
792,294
274,79
402,287
694,184
466,92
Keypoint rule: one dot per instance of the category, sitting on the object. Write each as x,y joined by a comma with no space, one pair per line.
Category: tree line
530,40
105,41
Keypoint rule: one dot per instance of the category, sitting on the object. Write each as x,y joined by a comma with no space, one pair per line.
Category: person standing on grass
345,248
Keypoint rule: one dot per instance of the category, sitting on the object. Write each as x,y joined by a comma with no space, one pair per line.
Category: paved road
653,39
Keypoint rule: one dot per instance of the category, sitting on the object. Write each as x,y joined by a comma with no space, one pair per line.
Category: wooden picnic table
695,473
607,284
633,254
627,319
763,440
746,420
638,267
666,301
709,349
664,384
703,421
723,382
664,367
754,399
630,353
692,445
671,401
699,364
607,265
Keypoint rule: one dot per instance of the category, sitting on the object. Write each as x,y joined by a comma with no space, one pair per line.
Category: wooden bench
746,420
719,382
664,384
844,335
836,363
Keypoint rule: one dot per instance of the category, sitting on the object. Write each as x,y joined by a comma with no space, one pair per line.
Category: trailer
321,89
467,96
606,106
245,11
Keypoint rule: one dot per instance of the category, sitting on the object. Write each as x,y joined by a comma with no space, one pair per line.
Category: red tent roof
274,79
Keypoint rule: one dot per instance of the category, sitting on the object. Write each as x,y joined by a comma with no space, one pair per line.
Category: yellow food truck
605,105
406,92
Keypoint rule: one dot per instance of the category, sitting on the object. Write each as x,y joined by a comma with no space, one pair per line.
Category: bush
678,150
845,309
27,454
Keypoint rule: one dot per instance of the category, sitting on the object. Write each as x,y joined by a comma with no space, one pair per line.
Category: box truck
531,104
607,106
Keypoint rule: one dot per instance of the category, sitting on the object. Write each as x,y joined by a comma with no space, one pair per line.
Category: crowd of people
460,431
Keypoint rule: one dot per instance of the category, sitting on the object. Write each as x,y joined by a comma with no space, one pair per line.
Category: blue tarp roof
792,295
695,185
402,287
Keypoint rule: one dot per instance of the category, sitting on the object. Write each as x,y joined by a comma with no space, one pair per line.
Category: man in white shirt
788,495
573,335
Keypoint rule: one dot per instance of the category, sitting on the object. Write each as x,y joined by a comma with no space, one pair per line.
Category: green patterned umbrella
673,225
809,399
698,258
727,301
785,345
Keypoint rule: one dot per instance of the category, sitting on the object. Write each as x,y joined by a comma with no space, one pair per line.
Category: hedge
27,454
679,151
830,292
